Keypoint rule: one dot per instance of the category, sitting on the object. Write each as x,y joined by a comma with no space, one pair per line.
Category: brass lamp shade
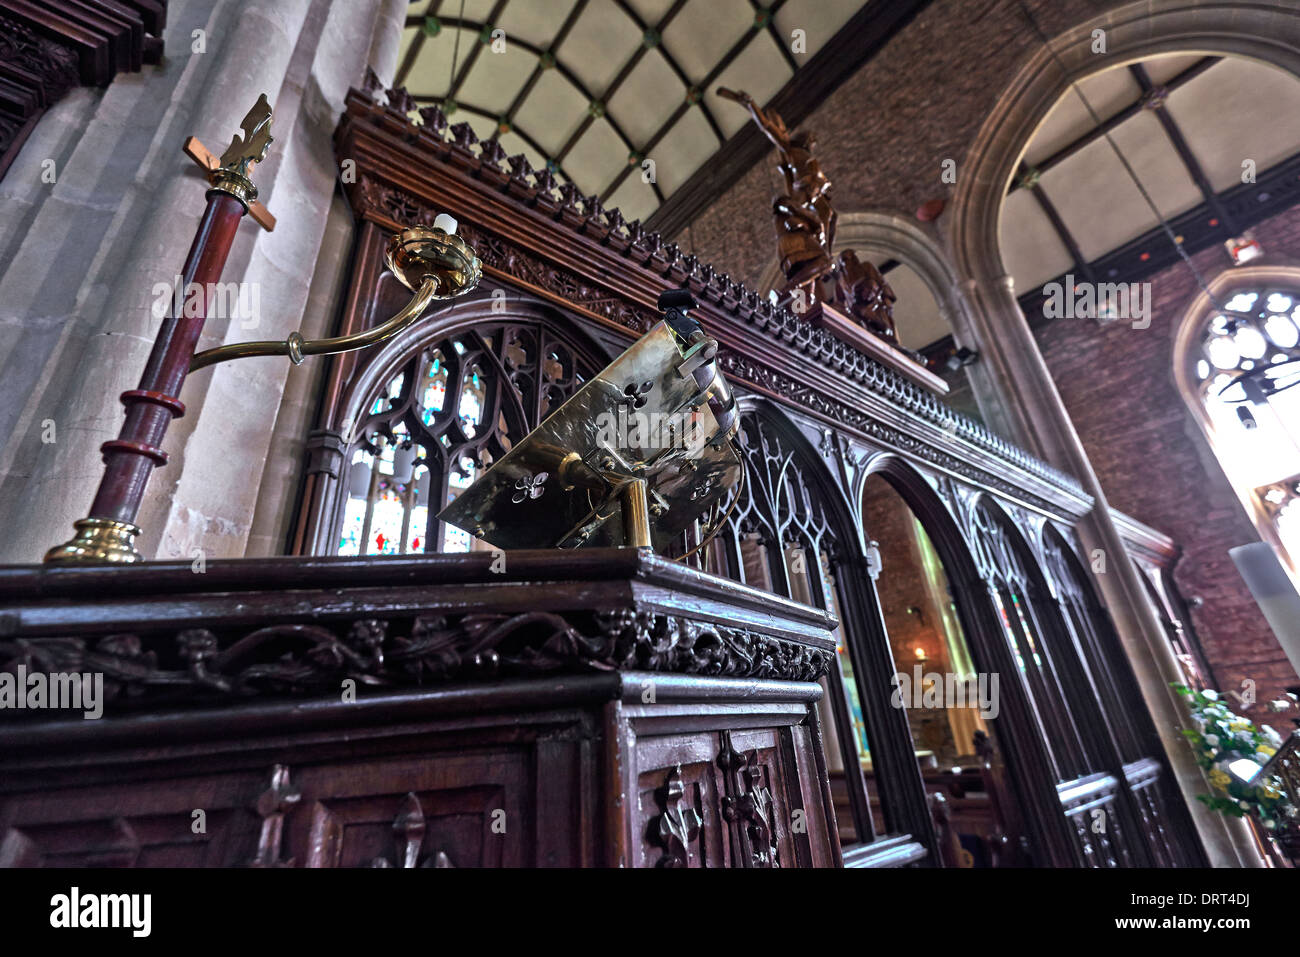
421,252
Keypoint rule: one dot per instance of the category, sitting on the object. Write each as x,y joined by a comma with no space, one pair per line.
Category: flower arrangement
1233,750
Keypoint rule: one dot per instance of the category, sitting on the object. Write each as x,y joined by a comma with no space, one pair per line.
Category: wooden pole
108,533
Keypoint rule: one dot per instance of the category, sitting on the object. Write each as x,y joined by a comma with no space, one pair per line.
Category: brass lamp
432,261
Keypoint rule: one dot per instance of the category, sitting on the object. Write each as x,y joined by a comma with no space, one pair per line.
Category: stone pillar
78,294
1017,368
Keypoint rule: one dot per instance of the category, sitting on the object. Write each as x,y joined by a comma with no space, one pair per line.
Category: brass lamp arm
297,348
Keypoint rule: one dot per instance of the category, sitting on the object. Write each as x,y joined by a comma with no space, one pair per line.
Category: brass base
98,541
418,252
232,183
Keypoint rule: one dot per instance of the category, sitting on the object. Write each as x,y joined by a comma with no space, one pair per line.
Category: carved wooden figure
805,220
865,295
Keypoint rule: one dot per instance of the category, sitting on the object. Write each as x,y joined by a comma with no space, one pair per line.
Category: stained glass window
456,406
1247,369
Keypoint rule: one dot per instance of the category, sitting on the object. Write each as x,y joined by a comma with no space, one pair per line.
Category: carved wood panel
730,796
472,808
129,824
679,804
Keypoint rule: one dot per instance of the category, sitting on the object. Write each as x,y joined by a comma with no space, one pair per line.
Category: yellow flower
1238,725
1265,750
1220,779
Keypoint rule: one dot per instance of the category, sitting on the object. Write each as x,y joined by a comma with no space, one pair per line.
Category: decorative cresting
584,226
456,405
197,665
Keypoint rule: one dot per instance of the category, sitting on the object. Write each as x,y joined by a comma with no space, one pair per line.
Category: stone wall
83,254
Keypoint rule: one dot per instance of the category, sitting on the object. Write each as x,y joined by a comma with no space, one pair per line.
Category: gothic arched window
455,407
1240,371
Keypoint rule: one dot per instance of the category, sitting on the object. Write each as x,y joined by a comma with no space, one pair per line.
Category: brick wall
882,137
1156,465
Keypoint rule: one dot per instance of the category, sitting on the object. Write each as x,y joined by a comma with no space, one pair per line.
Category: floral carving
749,806
297,658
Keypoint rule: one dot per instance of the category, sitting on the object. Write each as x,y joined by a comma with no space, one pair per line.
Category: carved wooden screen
1091,630
1091,787
1020,602
783,537
1116,690
457,404
779,526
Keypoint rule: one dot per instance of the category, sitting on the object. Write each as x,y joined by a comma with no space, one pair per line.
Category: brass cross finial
232,170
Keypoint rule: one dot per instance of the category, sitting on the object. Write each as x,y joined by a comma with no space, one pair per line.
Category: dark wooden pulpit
556,708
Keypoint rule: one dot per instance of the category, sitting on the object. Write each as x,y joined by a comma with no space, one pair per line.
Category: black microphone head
676,299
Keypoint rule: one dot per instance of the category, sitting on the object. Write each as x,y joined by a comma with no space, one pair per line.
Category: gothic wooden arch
1165,824
1058,658
898,779
1025,603
1017,736
343,415
1096,641
1267,31
929,507
455,318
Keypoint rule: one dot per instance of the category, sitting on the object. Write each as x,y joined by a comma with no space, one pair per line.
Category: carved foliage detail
678,825
272,806
749,807
296,658
408,832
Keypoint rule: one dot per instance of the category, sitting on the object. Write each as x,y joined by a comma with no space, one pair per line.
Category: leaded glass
455,406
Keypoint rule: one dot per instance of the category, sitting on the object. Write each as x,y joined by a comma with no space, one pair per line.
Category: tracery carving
456,406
